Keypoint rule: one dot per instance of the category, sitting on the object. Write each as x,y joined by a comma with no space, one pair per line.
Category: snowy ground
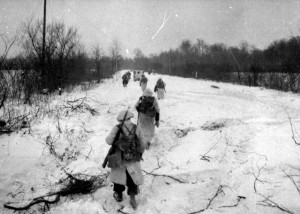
217,150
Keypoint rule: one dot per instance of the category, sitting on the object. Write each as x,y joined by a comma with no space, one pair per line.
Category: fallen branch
292,128
91,110
239,198
267,202
82,99
158,165
88,155
167,176
219,191
73,184
214,86
205,157
34,201
292,179
75,104
84,129
168,161
172,147
256,176
14,122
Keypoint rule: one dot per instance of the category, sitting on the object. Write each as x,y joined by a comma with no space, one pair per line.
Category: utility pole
44,44
170,65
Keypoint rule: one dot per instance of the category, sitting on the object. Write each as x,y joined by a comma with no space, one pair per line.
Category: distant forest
276,67
65,61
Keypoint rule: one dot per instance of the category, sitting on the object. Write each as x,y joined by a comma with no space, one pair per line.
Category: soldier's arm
156,106
110,138
142,140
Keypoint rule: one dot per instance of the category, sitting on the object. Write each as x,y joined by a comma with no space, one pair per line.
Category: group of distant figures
160,87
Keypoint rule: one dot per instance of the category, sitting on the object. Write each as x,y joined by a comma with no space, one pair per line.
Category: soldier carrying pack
146,106
129,146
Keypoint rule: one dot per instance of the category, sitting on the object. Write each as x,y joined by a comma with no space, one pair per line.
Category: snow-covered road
217,150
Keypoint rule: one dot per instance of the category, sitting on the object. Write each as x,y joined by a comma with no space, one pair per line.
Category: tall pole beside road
44,44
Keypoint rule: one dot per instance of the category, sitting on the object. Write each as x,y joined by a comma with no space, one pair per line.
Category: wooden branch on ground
214,86
172,147
256,176
293,167
166,176
158,165
84,184
218,192
267,202
34,201
262,156
205,157
88,155
84,129
91,110
239,199
293,181
14,122
168,161
75,104
82,99
292,128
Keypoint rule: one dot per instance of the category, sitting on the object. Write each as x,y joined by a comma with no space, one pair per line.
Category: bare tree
138,53
97,54
140,60
185,46
114,51
61,42
67,42
201,47
7,44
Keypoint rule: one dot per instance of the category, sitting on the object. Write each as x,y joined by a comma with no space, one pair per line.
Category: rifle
113,146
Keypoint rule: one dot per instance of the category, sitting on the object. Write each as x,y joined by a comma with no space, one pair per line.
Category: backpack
125,76
146,106
160,84
129,146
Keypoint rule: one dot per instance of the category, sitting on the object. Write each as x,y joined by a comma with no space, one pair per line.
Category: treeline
64,62
276,67
67,62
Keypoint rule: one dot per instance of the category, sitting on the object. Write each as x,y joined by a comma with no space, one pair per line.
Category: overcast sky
139,23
